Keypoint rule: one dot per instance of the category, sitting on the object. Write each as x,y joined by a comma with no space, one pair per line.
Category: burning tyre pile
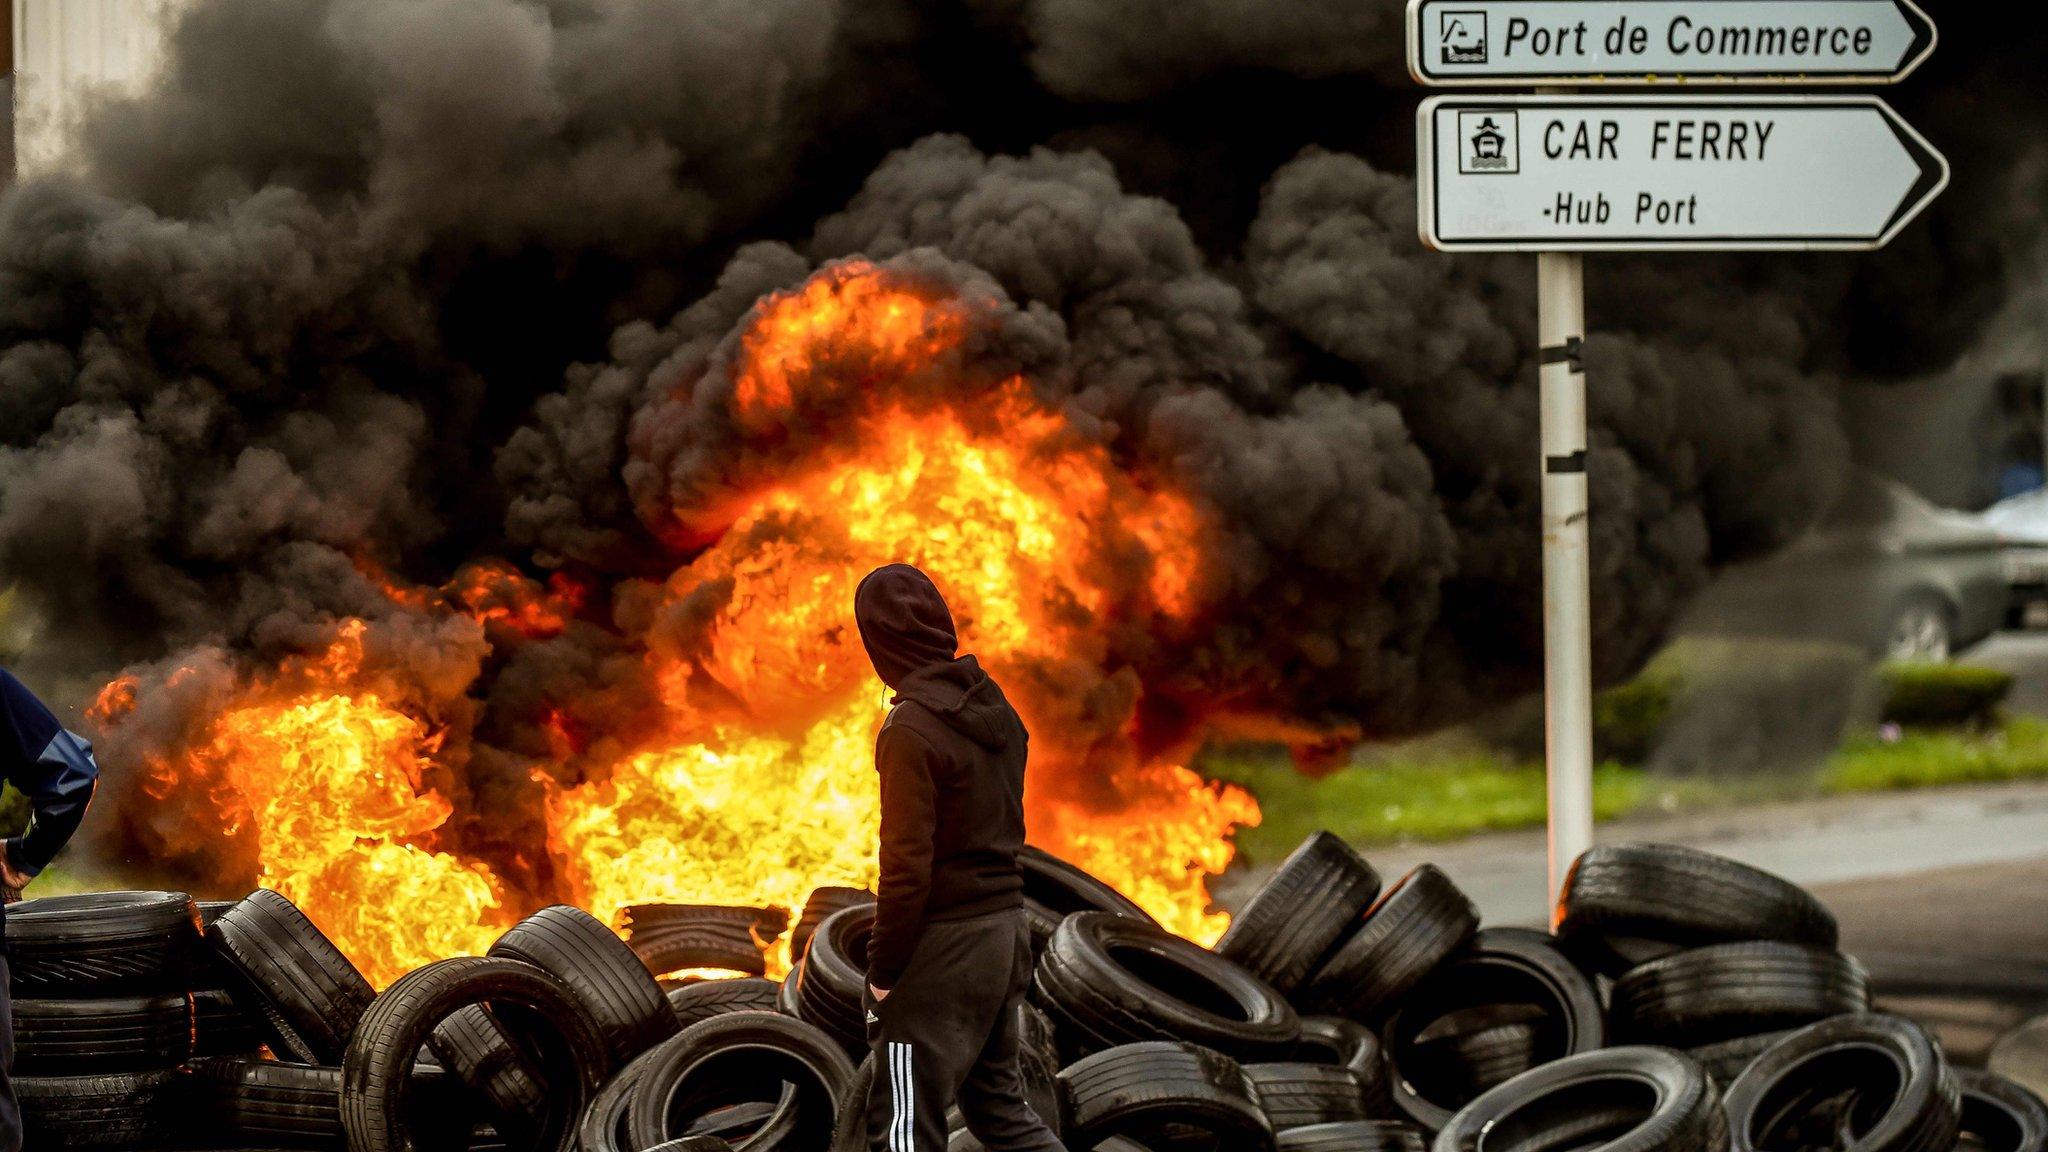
1687,1003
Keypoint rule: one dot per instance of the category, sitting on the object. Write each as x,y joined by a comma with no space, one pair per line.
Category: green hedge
1628,718
1942,695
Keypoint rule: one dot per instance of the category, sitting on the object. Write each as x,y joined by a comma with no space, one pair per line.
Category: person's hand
880,994
12,879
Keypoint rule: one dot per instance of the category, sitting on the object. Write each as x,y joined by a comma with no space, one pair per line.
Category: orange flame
329,780
1015,526
759,786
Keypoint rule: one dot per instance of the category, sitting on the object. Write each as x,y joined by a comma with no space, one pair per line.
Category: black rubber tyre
1623,902
716,1062
102,944
252,1103
673,937
694,1144
1476,1061
786,996
208,969
488,1062
703,999
1418,922
2000,1115
1615,1100
834,975
1300,1095
757,1122
1108,980
306,991
124,1111
1318,895
1706,995
822,903
850,1131
603,1126
221,1028
1055,889
614,987
1862,1083
1509,1001
378,1067
1726,1060
95,1037
1164,1095
264,1103
1348,1044
1353,1136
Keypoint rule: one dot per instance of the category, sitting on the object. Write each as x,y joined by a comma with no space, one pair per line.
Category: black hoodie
951,757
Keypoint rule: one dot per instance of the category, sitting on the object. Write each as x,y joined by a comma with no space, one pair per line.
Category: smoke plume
454,301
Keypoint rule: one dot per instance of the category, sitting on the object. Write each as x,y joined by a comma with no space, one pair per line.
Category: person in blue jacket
54,768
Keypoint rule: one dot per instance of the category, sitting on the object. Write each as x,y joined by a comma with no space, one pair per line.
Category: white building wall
64,50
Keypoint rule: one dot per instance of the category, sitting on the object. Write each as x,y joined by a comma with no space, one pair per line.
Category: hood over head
910,638
904,622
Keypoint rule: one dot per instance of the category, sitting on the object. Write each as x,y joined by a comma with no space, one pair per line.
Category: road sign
1570,42
1586,173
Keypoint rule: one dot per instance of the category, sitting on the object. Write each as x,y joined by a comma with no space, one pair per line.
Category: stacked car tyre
1167,1096
1411,929
1626,904
1872,1082
672,937
1055,889
1331,1018
1108,980
1647,1099
1504,1003
1999,1115
1311,903
1707,954
828,987
102,1013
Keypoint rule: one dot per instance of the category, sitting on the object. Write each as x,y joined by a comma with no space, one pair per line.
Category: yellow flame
331,786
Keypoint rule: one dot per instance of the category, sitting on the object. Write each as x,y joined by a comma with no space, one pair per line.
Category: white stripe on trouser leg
910,1098
896,1094
902,1132
909,1101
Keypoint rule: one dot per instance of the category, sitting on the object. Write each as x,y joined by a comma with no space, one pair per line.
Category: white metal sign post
1576,42
1560,174
1567,561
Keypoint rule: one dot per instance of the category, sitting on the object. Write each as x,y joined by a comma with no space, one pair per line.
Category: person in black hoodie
950,955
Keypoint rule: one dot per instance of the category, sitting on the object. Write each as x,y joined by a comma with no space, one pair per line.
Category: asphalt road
1908,840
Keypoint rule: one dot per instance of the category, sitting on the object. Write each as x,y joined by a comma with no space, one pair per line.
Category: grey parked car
2022,524
1884,570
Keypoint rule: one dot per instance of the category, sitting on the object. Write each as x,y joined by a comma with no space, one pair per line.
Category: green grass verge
1927,758
1441,790
1436,797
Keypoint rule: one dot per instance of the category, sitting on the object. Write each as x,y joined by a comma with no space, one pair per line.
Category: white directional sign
1584,173
1565,42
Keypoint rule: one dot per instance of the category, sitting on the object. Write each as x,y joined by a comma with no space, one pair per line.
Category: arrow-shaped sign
1584,173
1577,42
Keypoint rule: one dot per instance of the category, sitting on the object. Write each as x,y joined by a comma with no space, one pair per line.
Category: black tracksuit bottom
948,1031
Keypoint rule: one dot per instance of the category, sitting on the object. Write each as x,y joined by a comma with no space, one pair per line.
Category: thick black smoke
451,284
